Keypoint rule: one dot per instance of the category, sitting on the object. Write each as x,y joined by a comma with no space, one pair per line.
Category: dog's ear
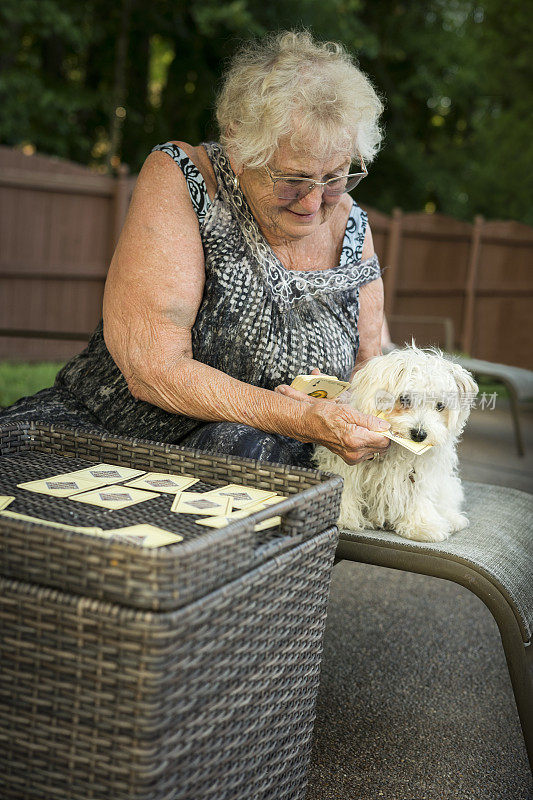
466,384
366,383
467,390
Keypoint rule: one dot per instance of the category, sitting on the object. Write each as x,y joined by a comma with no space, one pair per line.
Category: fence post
120,203
467,334
392,260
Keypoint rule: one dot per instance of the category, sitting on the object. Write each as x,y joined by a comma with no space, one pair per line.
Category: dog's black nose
418,435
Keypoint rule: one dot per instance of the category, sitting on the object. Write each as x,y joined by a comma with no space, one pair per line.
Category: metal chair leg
516,419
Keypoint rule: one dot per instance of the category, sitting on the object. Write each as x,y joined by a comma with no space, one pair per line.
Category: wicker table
189,671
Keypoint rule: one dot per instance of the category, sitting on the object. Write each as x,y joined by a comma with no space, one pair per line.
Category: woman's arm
370,311
152,295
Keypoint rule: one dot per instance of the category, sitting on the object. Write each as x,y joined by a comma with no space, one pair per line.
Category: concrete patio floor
415,701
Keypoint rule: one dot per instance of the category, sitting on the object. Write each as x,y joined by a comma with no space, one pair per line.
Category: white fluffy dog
426,398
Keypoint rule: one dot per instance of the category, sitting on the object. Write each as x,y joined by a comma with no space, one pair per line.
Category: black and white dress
258,321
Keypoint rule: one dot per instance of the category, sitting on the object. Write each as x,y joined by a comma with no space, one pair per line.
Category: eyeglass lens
296,189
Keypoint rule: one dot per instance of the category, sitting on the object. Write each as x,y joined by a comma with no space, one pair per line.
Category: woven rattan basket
188,672
160,579
213,701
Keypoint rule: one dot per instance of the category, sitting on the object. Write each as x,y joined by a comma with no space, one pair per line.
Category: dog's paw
350,520
458,522
423,531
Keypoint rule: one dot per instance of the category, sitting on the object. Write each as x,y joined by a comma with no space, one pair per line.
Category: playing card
241,496
221,522
324,386
77,528
163,482
114,497
5,500
104,474
266,523
418,448
58,486
146,535
216,522
414,447
206,504
271,501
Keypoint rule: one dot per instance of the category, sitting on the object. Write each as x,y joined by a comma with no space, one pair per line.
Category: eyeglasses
287,187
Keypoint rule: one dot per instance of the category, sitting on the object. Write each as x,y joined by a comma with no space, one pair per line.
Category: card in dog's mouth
418,448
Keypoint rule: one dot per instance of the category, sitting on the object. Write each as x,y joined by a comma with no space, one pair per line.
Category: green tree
101,84
45,97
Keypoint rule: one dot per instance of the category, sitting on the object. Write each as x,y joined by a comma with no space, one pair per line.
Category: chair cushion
498,544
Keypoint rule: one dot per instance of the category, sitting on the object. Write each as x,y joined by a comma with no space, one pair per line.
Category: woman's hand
353,436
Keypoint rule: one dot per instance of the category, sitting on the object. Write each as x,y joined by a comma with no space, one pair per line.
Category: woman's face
282,221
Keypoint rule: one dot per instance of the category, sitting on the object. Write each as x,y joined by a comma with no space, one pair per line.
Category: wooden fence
59,223
477,278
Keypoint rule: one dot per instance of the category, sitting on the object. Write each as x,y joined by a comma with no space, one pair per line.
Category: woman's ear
235,163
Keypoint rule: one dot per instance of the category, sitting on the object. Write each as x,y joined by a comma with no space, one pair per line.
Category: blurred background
87,89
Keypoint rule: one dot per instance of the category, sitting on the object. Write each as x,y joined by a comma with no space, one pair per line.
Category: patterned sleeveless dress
258,321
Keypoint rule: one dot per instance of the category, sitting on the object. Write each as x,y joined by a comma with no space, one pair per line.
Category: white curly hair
288,85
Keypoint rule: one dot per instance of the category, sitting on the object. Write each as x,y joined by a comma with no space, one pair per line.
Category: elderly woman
242,264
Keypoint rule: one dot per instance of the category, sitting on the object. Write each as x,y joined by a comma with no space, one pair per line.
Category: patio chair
493,558
518,382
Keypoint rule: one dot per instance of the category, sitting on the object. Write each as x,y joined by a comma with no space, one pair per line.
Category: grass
488,386
21,379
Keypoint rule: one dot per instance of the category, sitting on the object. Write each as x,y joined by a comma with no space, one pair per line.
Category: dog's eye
405,401
440,406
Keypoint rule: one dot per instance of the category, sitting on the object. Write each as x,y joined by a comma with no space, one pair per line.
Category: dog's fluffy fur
418,496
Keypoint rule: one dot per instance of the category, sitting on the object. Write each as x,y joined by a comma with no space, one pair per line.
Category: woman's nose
312,201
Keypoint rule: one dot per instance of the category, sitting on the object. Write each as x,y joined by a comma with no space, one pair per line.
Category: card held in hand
326,387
